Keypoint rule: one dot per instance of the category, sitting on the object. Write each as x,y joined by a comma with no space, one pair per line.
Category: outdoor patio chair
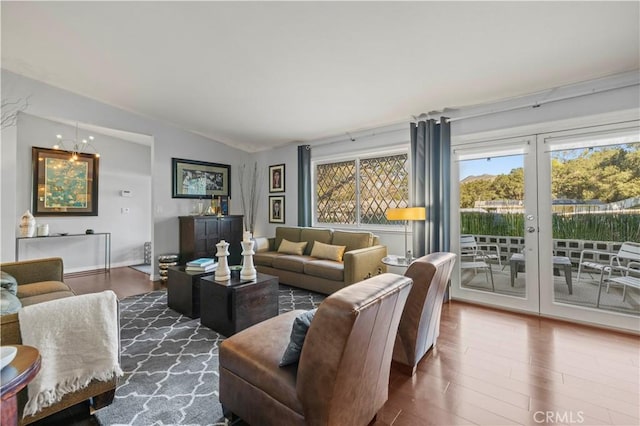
475,258
630,277
469,245
629,252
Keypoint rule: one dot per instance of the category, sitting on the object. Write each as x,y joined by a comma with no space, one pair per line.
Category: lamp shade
408,213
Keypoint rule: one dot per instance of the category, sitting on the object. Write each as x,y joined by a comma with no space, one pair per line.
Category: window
359,191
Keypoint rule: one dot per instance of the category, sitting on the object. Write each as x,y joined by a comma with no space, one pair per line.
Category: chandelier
76,146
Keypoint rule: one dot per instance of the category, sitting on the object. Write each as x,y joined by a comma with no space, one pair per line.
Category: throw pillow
9,303
327,251
298,333
289,247
8,282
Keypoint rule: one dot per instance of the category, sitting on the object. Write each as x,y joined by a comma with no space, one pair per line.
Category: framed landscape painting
199,179
63,186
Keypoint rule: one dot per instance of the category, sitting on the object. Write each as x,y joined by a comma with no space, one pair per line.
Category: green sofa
362,258
41,280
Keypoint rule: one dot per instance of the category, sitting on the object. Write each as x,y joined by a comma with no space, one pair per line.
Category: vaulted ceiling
257,75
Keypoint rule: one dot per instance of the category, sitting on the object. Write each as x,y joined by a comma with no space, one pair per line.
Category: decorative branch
10,110
250,194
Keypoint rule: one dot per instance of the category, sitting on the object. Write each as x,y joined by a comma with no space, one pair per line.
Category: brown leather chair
420,322
342,377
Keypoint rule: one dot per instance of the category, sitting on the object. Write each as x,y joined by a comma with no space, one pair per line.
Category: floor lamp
406,214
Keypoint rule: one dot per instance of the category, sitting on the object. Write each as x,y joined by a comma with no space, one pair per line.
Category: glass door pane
492,224
590,181
497,203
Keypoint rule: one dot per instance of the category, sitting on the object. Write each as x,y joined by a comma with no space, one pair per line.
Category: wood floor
493,368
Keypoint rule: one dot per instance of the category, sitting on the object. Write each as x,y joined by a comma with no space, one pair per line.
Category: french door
530,207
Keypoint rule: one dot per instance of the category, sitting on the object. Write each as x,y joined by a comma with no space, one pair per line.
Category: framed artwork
199,179
63,186
276,178
276,209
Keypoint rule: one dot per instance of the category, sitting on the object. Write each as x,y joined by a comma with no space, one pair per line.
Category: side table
14,377
233,305
183,290
397,261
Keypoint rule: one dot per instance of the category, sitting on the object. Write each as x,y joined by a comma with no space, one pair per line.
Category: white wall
597,97
169,141
123,165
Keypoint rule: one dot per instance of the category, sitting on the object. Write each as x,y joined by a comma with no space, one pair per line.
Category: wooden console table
107,245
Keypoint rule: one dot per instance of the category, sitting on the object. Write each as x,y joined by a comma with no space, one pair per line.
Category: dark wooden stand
233,305
183,291
200,234
15,377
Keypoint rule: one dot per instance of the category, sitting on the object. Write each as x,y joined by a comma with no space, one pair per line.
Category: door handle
531,229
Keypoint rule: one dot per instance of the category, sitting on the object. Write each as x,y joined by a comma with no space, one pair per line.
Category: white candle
246,236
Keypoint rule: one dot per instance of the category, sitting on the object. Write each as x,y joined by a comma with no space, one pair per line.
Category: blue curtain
304,185
431,170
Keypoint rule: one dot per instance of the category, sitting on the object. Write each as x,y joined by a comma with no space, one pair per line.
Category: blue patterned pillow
8,282
298,334
9,303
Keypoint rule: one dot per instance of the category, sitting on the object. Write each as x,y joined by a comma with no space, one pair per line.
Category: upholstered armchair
342,377
420,322
40,281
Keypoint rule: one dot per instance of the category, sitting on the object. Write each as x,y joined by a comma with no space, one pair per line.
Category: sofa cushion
265,258
296,340
290,247
311,235
9,302
39,298
43,287
291,262
8,282
328,269
327,251
352,240
289,233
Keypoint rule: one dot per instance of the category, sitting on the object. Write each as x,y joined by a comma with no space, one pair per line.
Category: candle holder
223,273
248,271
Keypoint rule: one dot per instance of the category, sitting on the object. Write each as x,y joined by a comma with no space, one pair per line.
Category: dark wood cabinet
200,234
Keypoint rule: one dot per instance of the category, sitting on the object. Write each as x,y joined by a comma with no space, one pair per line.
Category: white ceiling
261,74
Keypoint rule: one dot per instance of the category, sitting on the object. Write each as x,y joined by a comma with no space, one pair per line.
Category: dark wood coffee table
183,290
233,305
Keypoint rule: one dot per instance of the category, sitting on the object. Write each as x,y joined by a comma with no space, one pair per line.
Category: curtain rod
536,104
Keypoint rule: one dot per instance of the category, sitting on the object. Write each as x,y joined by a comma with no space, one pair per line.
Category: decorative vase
248,271
27,225
223,273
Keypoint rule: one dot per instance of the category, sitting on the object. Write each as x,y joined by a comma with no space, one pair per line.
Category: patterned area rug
171,363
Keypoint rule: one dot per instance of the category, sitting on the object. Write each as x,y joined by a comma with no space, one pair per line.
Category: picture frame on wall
276,209
62,186
200,179
276,178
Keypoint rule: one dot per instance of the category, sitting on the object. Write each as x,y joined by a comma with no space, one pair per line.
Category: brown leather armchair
342,377
420,322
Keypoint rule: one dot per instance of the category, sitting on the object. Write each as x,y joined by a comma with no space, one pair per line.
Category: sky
495,166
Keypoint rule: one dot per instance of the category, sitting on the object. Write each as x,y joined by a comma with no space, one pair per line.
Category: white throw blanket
78,339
